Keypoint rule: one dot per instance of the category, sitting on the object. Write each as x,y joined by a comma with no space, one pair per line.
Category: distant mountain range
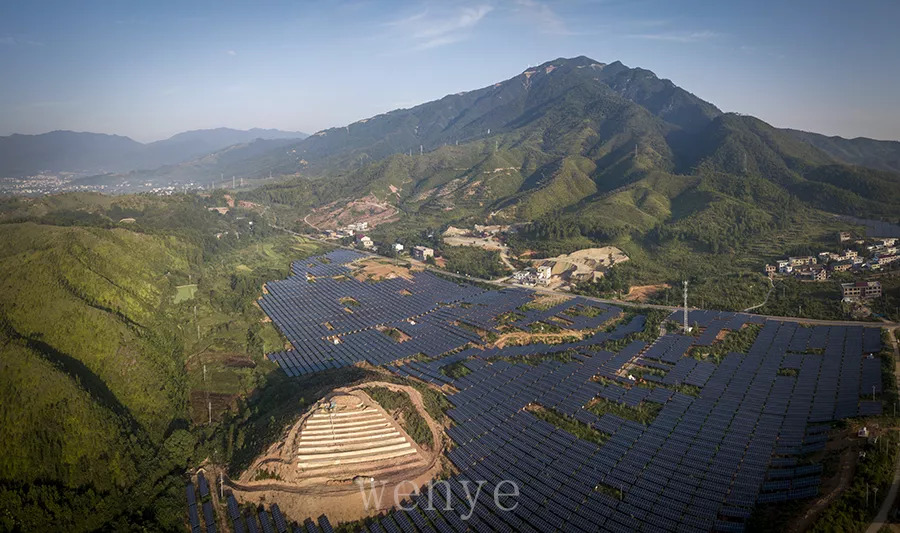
602,149
68,151
883,155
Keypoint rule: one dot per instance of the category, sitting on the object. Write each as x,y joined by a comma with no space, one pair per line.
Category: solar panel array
199,495
269,521
311,309
702,463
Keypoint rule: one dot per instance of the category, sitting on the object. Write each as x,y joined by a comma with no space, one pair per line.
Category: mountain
68,151
881,155
64,151
196,143
584,149
257,158
548,92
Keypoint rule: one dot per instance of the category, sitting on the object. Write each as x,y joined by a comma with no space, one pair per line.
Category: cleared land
184,293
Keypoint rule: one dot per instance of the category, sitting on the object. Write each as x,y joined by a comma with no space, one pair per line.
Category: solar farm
724,435
248,520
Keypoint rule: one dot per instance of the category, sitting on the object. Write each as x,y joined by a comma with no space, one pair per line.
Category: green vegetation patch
585,310
789,372
401,407
644,413
739,341
566,423
476,262
456,370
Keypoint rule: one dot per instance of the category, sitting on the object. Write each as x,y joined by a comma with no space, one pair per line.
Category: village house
800,261
528,276
861,290
358,226
842,266
422,253
812,273
825,257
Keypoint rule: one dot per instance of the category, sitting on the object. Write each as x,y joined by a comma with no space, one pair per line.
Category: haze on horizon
149,71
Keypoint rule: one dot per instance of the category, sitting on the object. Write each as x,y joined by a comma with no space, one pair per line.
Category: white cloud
9,40
231,53
543,16
431,30
678,36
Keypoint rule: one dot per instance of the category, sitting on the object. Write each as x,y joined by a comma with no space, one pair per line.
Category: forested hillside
102,402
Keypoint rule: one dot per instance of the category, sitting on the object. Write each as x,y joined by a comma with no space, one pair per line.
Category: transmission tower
686,329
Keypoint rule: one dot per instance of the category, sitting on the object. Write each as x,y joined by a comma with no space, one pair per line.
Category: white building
398,247
544,272
785,267
358,226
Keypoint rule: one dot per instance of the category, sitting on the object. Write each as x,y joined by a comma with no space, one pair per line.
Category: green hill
103,370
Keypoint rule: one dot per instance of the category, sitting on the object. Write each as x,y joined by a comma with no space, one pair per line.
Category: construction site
341,447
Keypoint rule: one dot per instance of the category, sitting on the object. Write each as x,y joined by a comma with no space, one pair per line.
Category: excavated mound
338,448
347,437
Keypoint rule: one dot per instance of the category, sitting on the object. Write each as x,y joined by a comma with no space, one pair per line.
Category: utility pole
208,402
421,149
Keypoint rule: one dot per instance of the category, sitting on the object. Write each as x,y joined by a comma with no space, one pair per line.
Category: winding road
765,301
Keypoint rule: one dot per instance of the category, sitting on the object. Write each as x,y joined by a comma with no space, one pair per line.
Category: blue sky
151,69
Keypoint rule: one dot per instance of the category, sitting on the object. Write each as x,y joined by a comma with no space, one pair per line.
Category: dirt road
881,518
